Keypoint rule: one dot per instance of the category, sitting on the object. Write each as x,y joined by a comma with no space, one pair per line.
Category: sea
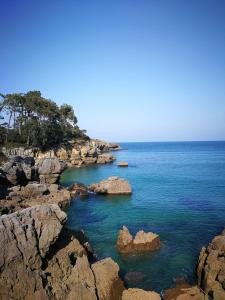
178,193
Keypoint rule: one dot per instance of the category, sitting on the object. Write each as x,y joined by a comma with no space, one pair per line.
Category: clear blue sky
134,70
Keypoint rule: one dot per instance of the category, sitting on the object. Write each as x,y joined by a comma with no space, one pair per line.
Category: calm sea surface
178,192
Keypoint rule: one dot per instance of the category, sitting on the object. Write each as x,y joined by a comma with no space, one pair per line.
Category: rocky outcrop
75,153
108,284
138,294
78,189
20,170
211,268
142,242
25,239
49,169
39,259
113,185
20,197
185,293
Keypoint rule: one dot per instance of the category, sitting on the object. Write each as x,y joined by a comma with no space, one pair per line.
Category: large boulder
142,242
113,185
138,294
108,283
211,268
49,169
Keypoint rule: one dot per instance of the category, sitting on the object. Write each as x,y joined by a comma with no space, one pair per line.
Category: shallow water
178,192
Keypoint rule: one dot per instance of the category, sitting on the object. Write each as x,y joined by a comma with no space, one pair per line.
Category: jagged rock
108,283
40,259
211,268
49,169
105,158
20,170
142,242
138,294
112,185
21,197
25,239
78,189
49,166
185,293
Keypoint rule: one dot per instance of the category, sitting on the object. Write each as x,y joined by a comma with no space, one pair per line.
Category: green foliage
32,120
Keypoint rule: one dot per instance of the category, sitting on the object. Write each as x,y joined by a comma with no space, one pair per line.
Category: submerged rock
211,268
185,293
142,242
138,294
113,185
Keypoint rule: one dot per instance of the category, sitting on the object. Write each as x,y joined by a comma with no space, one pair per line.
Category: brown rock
108,283
211,268
185,293
105,158
122,164
25,239
113,185
78,189
142,242
138,294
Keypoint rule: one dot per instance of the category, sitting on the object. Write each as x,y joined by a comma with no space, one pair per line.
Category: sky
134,70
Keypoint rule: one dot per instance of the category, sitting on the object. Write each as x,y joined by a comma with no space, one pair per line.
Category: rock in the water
142,242
122,164
105,158
108,283
185,293
134,277
113,185
211,268
138,294
78,189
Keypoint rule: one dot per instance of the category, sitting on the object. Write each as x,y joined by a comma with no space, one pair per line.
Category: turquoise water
178,192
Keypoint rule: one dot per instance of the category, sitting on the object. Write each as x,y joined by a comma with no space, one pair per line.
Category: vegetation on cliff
29,119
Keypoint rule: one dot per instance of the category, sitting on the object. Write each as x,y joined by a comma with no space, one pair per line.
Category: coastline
57,192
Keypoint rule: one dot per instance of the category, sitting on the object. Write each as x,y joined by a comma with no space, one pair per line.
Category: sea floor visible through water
178,193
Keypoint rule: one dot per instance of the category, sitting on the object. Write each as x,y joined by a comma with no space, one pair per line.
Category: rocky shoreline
41,259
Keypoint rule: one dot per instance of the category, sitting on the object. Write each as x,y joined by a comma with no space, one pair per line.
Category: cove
178,193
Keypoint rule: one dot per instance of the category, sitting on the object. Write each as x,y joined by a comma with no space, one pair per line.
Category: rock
142,242
21,197
78,189
40,259
138,294
49,166
184,293
134,277
211,268
49,169
108,283
105,158
25,239
122,164
20,170
112,185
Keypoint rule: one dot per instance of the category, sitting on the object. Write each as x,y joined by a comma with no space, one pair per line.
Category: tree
33,120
